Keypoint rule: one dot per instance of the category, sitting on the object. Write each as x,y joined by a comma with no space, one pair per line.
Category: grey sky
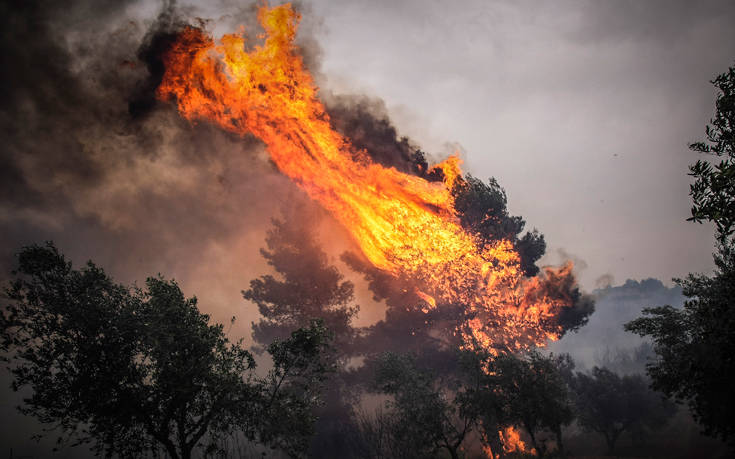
581,110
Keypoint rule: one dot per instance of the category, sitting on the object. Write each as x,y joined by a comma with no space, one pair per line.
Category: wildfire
402,223
511,440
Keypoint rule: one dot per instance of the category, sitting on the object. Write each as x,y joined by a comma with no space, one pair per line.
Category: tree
482,210
426,417
713,191
308,287
537,395
293,388
695,345
609,404
131,371
485,398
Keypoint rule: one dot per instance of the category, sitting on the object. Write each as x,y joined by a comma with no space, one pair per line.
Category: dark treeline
141,372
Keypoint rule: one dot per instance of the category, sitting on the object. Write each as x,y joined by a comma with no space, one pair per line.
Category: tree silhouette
427,418
695,345
482,210
306,287
609,404
537,395
131,370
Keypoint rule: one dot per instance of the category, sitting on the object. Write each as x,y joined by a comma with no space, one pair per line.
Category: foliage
482,210
609,404
293,388
131,371
713,192
695,345
484,398
537,395
487,394
426,417
308,287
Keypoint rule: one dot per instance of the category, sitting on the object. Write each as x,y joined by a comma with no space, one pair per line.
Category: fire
512,442
402,223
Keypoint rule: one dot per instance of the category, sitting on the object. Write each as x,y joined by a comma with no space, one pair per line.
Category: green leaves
713,191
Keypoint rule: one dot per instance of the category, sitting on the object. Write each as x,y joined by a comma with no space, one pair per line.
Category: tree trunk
539,451
496,446
171,449
559,442
611,439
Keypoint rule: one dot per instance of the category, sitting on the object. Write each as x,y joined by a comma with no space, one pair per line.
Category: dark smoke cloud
364,120
89,154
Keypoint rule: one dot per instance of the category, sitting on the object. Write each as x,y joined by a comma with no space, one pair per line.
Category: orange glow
512,442
403,224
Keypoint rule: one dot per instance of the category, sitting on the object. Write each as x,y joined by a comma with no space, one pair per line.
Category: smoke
364,120
92,161
604,340
89,160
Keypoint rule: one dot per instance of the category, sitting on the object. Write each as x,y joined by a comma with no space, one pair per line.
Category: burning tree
455,268
404,225
132,371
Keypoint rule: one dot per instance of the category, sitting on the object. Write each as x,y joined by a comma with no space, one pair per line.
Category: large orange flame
402,223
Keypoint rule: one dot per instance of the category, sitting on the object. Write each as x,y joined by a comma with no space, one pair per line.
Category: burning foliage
405,225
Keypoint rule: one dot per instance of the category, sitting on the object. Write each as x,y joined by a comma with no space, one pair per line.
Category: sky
581,110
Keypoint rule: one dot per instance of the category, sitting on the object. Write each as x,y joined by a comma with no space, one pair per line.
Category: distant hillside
603,341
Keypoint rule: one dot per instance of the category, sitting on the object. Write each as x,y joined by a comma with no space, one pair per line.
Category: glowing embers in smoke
403,224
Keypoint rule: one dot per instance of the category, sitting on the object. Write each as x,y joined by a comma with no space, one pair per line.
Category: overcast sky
581,110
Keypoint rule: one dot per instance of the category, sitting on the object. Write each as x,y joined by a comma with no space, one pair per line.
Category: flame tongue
402,223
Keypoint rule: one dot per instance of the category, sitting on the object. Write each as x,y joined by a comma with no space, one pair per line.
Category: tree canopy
132,370
305,287
609,404
482,210
713,191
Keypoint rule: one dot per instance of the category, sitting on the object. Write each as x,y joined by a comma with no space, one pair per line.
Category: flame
403,224
512,442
